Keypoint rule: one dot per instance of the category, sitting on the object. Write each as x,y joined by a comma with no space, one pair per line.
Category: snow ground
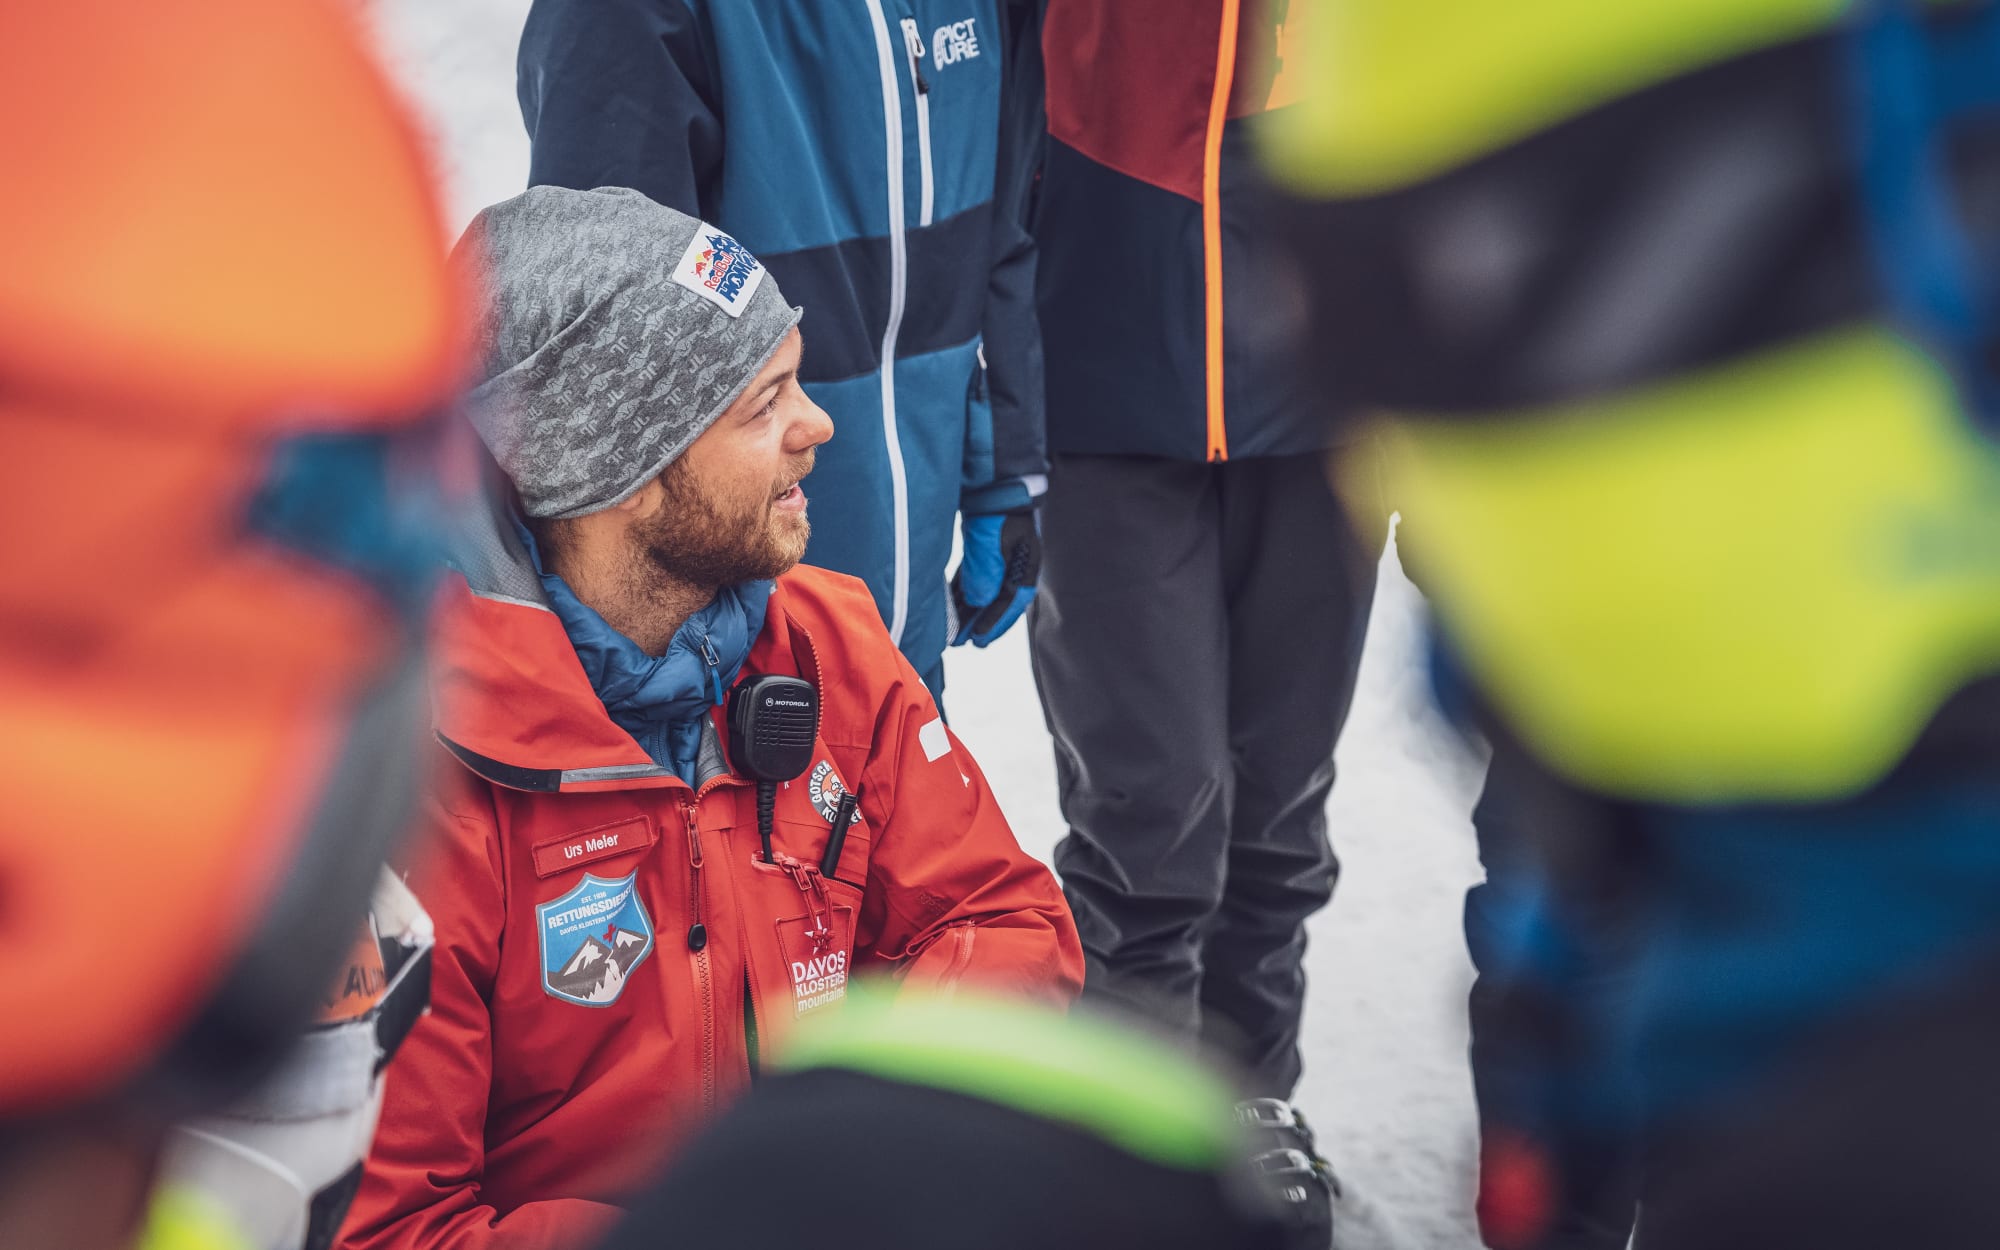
1385,1078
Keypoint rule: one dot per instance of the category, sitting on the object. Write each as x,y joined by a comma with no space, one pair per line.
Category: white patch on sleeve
934,740
720,270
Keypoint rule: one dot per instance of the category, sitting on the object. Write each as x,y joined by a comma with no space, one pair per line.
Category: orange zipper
742,914
819,905
1211,227
743,943
963,935
698,951
812,649
749,963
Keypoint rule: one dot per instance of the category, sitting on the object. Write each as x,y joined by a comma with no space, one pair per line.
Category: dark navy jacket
1170,319
853,146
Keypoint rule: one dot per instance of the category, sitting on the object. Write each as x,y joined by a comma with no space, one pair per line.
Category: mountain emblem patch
592,938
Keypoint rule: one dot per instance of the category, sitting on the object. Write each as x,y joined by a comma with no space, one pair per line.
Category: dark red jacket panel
1123,281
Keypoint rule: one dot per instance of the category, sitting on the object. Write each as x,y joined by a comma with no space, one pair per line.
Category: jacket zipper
963,935
899,261
819,904
913,43
1211,228
743,932
698,946
714,662
750,1021
749,971
812,651
704,970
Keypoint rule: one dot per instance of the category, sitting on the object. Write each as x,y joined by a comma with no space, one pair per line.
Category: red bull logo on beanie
720,270
727,266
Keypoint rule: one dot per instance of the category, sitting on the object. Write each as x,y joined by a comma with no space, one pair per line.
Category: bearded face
711,532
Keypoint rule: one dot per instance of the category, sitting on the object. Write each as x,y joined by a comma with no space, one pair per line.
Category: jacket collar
511,697
659,700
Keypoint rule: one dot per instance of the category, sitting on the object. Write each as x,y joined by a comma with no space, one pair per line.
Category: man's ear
642,502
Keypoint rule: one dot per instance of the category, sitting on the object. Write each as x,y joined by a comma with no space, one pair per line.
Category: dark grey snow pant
1195,642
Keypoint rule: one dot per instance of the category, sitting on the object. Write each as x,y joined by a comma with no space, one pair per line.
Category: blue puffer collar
660,700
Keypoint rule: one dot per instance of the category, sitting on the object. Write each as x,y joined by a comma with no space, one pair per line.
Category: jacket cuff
1010,494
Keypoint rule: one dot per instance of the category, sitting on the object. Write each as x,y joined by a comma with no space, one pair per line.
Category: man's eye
770,407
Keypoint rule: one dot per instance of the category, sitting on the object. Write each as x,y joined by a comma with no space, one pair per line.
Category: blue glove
996,574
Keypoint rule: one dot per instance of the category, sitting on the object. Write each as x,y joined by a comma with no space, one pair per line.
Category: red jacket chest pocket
801,911
800,930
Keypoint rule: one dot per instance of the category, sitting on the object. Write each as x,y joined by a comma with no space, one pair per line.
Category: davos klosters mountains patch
819,949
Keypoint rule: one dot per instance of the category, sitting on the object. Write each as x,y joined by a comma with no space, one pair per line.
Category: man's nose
811,428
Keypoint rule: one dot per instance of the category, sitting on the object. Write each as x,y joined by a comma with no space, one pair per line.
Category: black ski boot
1286,1164
1319,1211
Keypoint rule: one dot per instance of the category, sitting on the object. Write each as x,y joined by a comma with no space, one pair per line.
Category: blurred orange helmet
224,318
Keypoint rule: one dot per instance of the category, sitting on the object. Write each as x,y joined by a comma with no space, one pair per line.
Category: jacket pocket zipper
750,1022
913,47
819,905
697,940
962,935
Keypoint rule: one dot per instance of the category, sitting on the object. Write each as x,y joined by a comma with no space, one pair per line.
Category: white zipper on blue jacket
899,277
913,44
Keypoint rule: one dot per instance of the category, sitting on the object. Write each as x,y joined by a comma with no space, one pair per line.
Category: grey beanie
615,331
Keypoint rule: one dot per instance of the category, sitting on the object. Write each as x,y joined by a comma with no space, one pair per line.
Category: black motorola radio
772,723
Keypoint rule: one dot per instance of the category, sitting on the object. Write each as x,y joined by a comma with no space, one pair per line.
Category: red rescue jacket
581,1023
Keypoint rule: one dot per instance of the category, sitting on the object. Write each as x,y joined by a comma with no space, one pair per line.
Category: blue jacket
861,149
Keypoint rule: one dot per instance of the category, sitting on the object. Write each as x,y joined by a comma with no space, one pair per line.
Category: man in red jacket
617,941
